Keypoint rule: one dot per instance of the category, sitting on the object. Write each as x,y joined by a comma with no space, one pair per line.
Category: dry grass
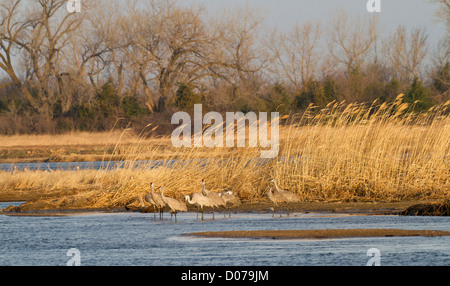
340,153
75,138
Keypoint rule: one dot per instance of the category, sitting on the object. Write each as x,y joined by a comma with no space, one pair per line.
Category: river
132,239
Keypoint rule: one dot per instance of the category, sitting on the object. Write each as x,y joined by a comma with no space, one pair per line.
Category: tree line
118,62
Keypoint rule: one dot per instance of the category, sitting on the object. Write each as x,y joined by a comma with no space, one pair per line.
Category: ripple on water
141,239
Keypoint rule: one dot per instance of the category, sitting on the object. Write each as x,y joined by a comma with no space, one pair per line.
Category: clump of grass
376,152
430,209
344,152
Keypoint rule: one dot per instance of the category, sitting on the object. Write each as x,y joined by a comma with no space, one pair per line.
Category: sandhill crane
173,204
142,201
290,196
157,200
200,201
277,199
230,199
148,200
214,197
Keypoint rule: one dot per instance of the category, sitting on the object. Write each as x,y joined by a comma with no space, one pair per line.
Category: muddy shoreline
40,203
317,233
361,208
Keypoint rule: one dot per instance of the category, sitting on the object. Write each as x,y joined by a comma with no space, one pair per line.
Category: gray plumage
277,199
229,198
200,201
289,196
174,205
157,200
214,197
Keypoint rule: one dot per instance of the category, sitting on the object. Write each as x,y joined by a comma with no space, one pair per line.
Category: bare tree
406,52
105,44
443,12
14,25
297,53
39,31
168,44
242,52
351,40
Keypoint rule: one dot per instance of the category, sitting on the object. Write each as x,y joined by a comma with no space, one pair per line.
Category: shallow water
73,166
112,165
141,239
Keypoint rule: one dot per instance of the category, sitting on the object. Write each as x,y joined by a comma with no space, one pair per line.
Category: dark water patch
431,209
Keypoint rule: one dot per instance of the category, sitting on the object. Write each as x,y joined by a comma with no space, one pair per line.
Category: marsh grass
341,153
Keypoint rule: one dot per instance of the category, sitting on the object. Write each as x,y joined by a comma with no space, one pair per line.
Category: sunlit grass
344,152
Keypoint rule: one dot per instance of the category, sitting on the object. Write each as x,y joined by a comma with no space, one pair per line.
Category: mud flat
318,233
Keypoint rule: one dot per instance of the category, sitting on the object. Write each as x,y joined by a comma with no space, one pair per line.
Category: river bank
35,208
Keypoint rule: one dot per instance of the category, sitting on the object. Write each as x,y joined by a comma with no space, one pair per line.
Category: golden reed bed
342,153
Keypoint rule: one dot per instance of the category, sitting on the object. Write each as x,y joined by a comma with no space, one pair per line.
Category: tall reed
344,152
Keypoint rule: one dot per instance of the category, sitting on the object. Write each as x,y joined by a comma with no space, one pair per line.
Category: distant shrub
279,99
64,126
418,95
186,96
442,78
131,107
313,92
107,100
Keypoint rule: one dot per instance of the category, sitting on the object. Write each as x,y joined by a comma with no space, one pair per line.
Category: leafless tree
242,52
297,53
39,31
443,12
14,26
351,39
168,44
406,52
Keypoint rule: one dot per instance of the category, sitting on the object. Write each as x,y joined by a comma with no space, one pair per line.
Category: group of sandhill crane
211,200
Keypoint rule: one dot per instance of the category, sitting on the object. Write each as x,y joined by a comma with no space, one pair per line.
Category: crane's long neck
188,199
276,186
152,189
203,188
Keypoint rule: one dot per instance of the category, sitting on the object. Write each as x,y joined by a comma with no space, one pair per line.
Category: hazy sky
285,13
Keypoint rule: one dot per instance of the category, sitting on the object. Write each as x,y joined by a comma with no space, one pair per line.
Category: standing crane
157,200
149,200
173,204
200,201
214,197
277,199
230,200
290,196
